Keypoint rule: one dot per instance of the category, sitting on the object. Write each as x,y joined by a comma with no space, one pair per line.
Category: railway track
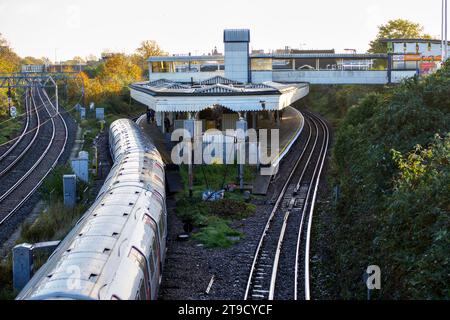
33,159
280,268
25,140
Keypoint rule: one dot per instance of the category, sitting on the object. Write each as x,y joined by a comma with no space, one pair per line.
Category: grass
6,291
9,129
53,224
218,234
212,219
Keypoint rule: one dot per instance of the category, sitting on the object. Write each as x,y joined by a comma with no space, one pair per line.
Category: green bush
381,218
218,234
334,101
229,208
213,219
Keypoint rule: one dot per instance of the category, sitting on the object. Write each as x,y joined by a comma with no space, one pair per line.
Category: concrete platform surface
291,128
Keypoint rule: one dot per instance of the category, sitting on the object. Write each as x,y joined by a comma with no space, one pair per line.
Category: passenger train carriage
116,251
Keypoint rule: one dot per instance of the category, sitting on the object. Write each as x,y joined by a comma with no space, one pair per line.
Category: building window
261,64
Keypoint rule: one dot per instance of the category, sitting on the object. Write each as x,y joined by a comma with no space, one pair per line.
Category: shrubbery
394,212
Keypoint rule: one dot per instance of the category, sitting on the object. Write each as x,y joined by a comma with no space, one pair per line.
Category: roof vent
93,277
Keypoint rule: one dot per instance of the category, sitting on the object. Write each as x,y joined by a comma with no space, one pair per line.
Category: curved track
26,139
36,159
280,268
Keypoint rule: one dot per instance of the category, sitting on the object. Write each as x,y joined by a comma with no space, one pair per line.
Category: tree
32,61
396,29
119,71
148,49
91,58
9,60
394,207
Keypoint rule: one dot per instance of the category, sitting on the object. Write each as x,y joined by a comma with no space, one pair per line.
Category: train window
162,225
142,291
156,195
154,245
148,221
141,261
138,258
152,264
159,166
155,251
158,178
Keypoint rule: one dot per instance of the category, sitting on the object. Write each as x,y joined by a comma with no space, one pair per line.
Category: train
117,249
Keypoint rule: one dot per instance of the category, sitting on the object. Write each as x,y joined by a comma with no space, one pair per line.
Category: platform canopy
169,96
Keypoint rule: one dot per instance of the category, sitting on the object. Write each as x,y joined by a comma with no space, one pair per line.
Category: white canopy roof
168,96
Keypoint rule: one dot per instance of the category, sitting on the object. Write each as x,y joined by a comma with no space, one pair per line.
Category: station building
423,56
219,90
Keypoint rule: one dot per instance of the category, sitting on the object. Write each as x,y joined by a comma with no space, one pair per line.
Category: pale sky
83,27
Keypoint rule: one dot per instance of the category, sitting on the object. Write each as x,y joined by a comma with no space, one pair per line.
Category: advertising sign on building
398,57
418,57
427,67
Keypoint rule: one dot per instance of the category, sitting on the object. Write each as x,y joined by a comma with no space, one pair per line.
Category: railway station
223,101
208,179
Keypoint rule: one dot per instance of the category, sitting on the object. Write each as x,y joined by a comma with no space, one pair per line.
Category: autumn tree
396,29
147,49
32,60
9,60
118,71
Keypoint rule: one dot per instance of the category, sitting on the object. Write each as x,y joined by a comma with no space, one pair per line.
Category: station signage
427,67
418,57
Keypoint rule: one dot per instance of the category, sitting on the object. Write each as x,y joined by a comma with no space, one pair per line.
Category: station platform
173,178
157,137
291,126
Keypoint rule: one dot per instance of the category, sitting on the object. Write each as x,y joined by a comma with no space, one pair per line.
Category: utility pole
9,100
444,31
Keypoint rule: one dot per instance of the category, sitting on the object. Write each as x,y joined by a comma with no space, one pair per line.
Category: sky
68,28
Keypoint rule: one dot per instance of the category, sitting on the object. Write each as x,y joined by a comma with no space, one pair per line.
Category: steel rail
286,219
22,154
37,185
272,215
316,177
28,111
311,212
